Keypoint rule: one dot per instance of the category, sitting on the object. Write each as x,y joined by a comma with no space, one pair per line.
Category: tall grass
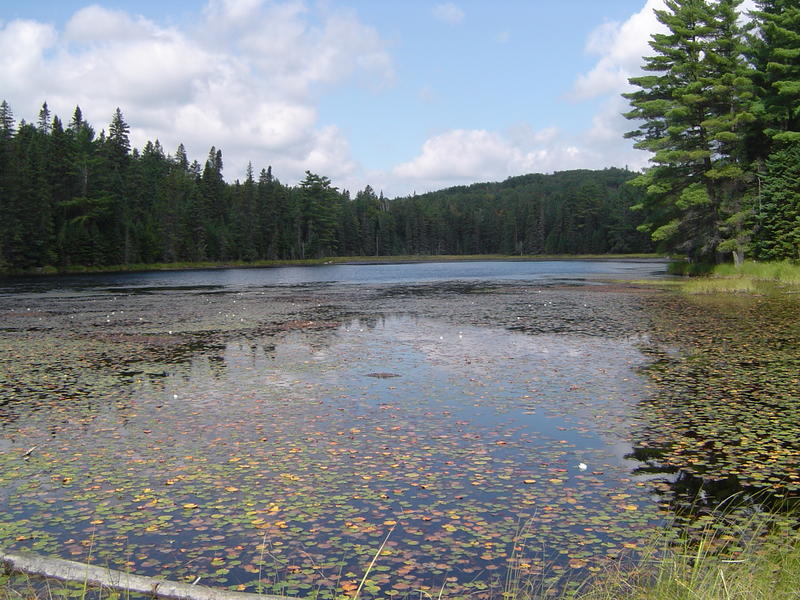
713,568
780,272
748,278
716,285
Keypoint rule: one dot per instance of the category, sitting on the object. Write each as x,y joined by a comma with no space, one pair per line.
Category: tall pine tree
692,109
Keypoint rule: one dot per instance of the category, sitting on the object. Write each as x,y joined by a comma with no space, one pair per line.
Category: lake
365,274
269,429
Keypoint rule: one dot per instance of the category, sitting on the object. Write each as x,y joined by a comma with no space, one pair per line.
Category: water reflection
290,438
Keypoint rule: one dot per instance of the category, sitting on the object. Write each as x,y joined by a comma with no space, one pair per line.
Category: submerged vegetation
291,463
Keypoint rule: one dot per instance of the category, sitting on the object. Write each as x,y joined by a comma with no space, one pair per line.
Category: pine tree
118,140
693,109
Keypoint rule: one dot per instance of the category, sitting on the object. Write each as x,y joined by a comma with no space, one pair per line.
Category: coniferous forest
718,107
73,197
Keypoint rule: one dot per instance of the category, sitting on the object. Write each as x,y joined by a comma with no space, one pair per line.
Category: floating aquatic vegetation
257,441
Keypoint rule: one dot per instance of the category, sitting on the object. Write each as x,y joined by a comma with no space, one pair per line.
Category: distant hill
568,212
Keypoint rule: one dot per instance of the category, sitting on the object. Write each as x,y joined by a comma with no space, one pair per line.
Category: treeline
719,106
70,197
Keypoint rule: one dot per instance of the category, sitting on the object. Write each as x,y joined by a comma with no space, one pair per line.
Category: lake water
366,274
269,428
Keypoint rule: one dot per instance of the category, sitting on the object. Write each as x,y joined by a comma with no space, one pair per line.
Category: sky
407,97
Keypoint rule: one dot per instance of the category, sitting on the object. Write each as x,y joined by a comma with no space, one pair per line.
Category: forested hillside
570,212
70,197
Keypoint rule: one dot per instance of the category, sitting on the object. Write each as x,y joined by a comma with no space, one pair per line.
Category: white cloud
621,47
428,95
448,13
236,11
246,78
97,24
22,49
463,156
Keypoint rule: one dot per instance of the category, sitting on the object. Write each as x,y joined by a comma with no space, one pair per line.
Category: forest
70,197
718,108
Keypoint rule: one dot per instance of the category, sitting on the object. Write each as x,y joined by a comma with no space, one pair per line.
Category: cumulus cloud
463,156
97,24
448,13
620,47
246,78
22,53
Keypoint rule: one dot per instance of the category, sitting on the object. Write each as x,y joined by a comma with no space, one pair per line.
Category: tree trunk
738,257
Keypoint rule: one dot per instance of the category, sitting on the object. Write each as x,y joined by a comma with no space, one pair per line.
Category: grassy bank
749,278
310,262
717,567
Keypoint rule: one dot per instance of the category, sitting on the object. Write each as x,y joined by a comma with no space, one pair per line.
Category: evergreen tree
245,218
71,198
775,51
693,108
6,136
6,121
43,124
181,159
779,237
319,210
215,207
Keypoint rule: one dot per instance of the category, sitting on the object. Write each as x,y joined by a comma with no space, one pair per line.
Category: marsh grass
749,278
783,272
715,567
716,285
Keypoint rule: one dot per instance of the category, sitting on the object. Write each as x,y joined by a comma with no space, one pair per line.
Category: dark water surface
269,428
407,273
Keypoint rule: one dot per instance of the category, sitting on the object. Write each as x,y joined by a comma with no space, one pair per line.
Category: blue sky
404,96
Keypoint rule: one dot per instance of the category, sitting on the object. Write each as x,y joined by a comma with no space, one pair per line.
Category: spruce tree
6,121
775,144
780,206
43,124
775,50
